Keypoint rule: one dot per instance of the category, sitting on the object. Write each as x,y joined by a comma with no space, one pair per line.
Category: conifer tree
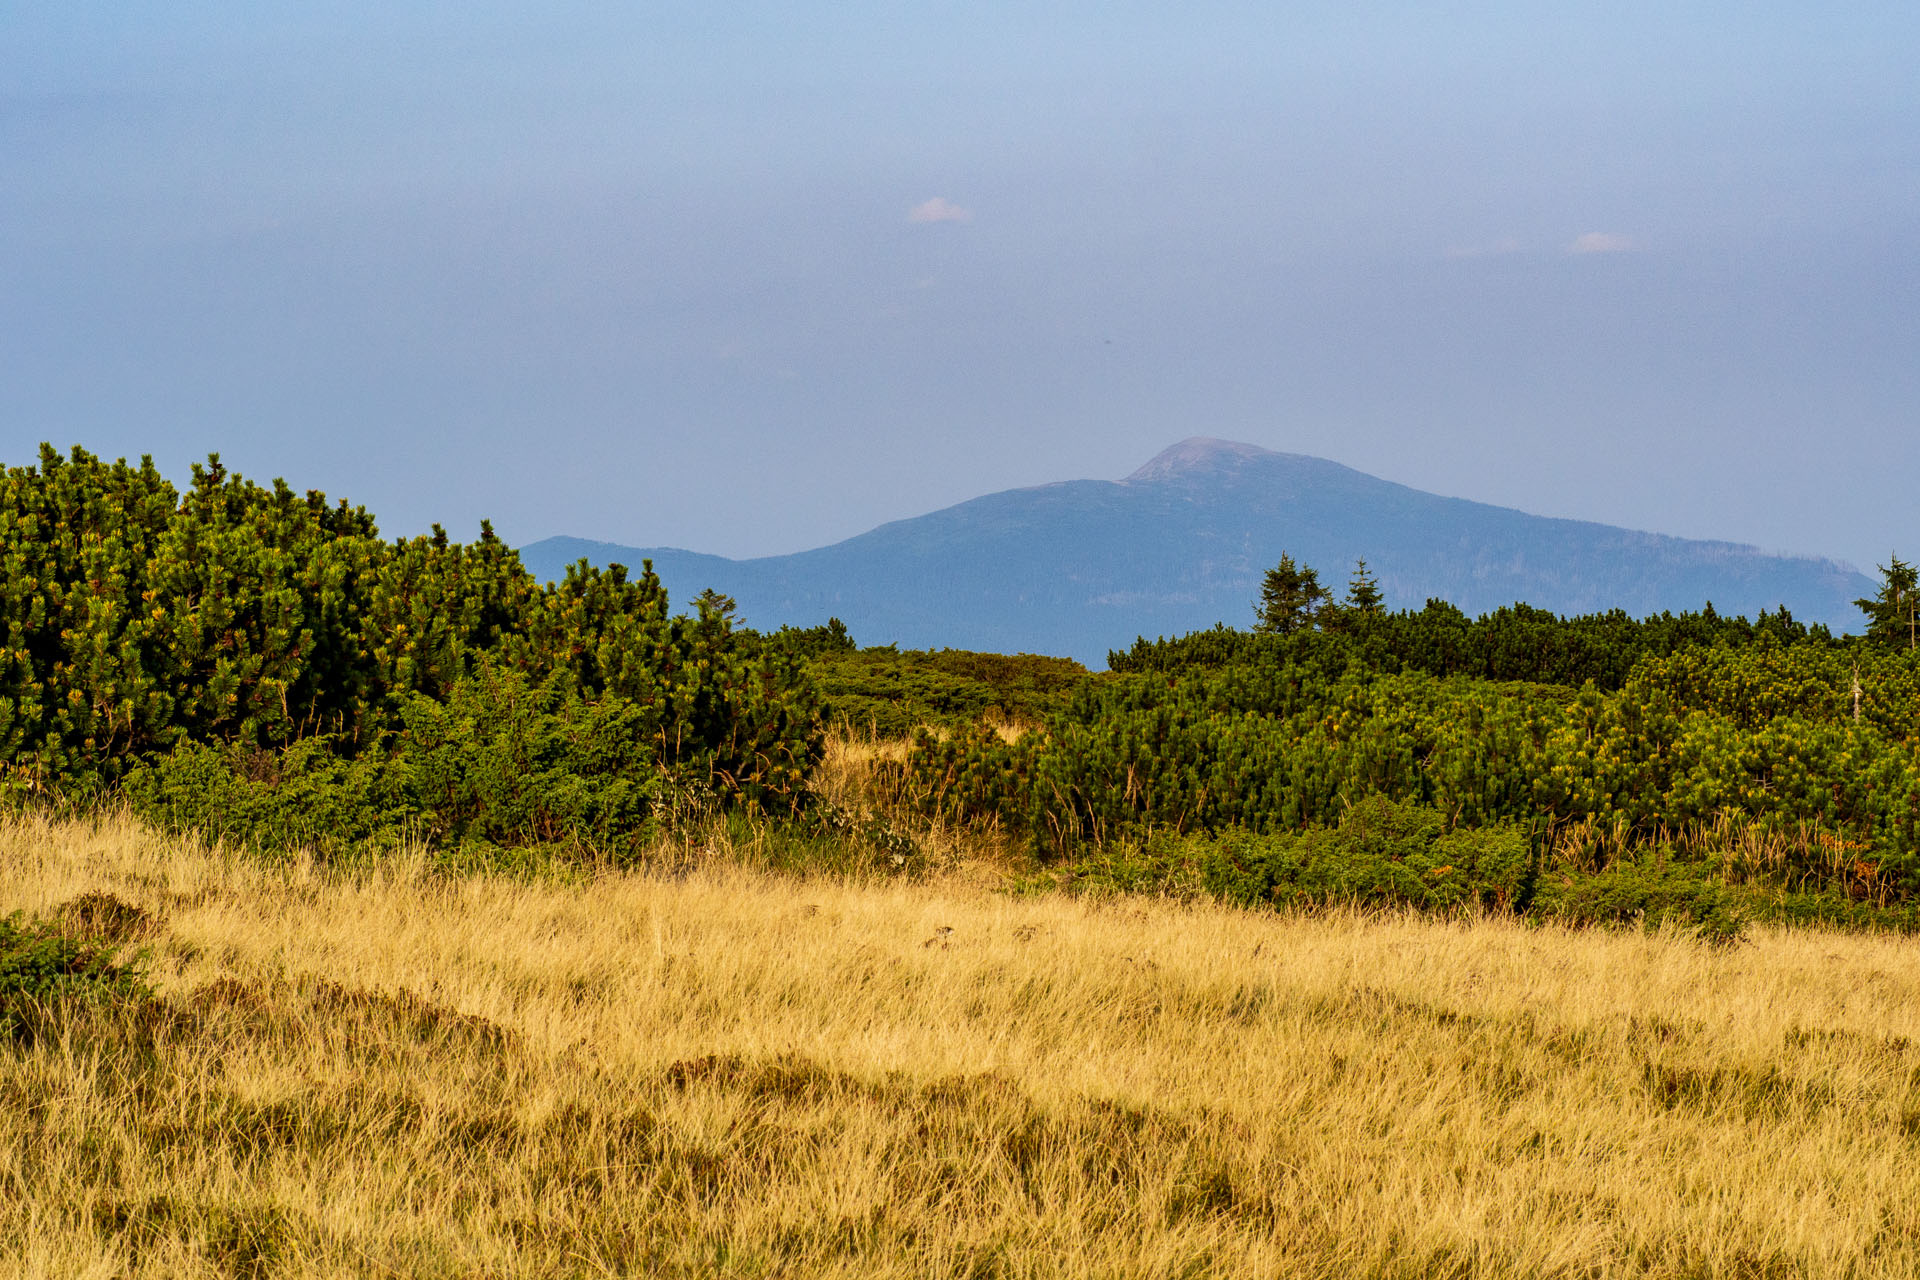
1363,590
1894,614
1290,597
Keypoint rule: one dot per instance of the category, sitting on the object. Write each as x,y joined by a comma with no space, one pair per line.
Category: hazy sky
749,278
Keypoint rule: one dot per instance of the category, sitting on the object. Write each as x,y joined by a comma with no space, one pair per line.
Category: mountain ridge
1079,567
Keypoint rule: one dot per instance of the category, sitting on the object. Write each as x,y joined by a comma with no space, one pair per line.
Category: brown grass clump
390,1072
856,771
867,779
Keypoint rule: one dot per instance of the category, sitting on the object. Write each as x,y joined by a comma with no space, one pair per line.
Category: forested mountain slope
1084,566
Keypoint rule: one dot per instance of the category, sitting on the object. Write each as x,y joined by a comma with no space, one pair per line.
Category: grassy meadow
707,1067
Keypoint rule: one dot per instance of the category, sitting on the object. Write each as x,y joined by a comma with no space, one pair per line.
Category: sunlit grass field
713,1071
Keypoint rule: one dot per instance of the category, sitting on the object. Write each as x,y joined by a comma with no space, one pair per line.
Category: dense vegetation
1514,643
249,658
254,663
1594,741
886,693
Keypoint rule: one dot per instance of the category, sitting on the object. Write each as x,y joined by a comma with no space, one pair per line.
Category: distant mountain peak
1198,455
1082,567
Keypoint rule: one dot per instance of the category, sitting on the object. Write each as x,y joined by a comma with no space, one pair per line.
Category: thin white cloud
1602,242
939,209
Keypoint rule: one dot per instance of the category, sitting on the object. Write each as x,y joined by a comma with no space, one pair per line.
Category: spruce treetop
1290,597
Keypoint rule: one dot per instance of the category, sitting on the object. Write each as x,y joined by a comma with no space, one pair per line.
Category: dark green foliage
302,795
501,761
1363,591
1826,910
266,661
889,693
1387,854
815,642
1290,596
716,704
42,965
1893,615
1263,749
1274,735
1380,853
1652,890
1517,643
505,761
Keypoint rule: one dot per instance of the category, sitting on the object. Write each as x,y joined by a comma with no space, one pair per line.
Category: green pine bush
42,966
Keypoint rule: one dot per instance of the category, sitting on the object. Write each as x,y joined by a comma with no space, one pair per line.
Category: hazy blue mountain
1084,566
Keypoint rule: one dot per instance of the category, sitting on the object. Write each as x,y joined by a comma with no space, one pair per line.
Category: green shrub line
262,663
262,667
1385,854
884,692
501,762
1515,643
1762,737
1638,744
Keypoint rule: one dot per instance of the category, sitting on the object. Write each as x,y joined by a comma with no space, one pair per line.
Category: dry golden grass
845,774
1745,850
715,1073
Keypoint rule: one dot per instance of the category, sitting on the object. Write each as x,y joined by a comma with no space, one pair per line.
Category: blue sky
752,278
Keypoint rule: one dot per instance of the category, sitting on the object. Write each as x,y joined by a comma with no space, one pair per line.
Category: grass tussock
387,1070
